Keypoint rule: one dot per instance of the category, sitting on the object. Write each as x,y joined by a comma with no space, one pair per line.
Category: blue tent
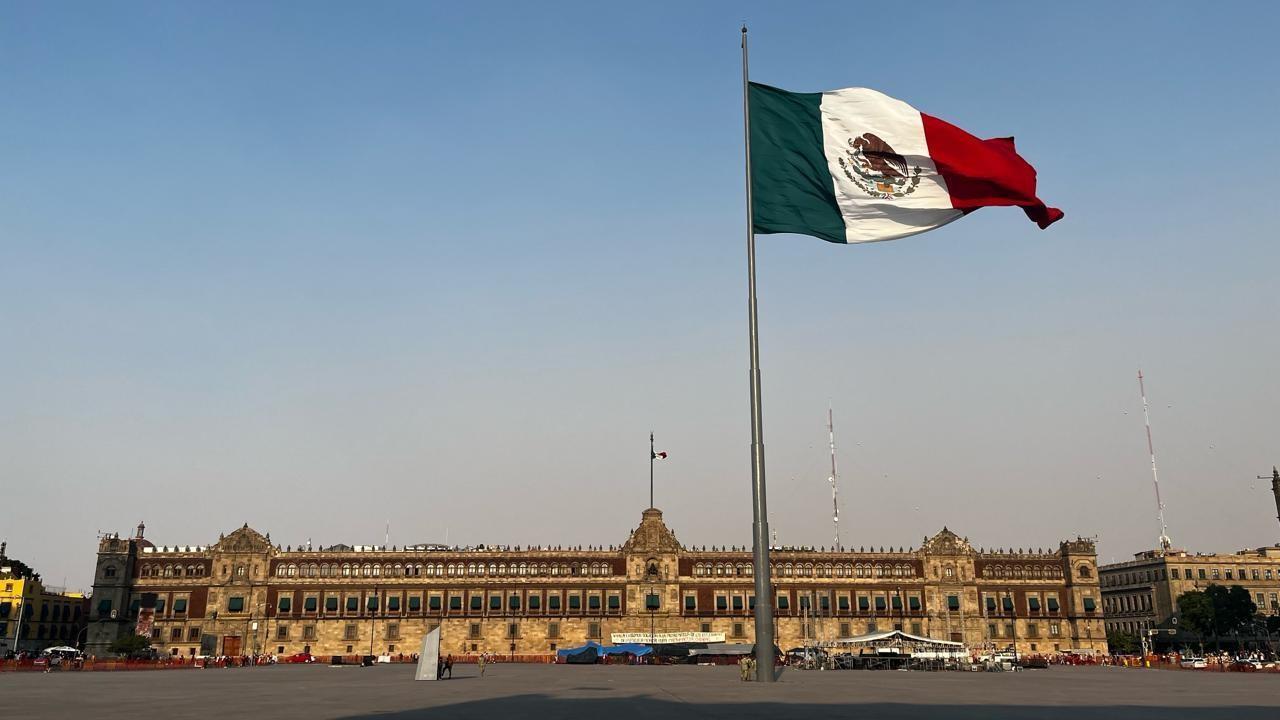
633,648
591,645
588,652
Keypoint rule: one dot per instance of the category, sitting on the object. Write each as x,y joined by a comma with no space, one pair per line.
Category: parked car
302,657
1194,662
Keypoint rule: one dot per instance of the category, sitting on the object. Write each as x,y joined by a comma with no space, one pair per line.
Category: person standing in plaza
480,662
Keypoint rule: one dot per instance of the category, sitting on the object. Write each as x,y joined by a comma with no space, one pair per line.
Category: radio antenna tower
835,502
1165,542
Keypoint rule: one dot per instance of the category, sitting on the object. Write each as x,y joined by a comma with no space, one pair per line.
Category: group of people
747,667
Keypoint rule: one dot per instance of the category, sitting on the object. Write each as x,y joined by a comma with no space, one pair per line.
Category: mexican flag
855,165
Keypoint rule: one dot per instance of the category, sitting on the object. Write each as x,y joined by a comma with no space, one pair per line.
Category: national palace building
243,595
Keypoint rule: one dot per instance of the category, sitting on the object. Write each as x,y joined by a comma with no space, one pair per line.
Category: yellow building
34,617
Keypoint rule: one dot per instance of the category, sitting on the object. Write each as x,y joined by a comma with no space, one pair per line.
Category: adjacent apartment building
1142,594
244,594
32,616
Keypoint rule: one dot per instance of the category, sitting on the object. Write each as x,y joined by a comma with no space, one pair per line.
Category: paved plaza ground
319,692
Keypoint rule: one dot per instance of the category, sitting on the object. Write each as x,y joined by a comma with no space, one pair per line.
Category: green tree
131,645
1233,609
1121,643
1195,609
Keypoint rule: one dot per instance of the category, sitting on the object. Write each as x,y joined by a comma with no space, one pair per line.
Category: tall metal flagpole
652,456
760,522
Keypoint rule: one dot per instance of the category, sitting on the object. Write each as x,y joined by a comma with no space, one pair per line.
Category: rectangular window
992,631
495,602
372,603
1008,630
309,603
535,602
1230,575
393,631
722,602
751,602
1201,573
706,627
1033,630
690,602
513,630
897,602
913,603
844,630
285,604
575,602
1006,603
393,604
513,602
1090,605
953,602
843,604
477,603
880,604
104,606
350,632
159,607
804,603
652,602
282,632
593,602
155,633
615,603
1055,629
433,603
1033,603
737,603
175,634
308,632
784,602
593,630
235,604
824,603
553,630
1174,572
863,603
353,604
475,631
915,629
738,630
553,603
1053,603
331,604
193,633
180,606
991,603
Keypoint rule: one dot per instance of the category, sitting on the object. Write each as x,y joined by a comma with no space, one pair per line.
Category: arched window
949,572
524,568
542,569
1084,571
293,571
168,571
786,570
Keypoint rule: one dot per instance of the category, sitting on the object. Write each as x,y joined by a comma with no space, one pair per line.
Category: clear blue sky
317,266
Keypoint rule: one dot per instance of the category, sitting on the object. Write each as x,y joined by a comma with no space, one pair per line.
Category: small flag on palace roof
659,456
855,165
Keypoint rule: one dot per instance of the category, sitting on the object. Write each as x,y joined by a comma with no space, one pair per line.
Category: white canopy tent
897,642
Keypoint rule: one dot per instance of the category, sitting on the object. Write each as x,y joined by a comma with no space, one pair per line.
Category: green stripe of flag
791,187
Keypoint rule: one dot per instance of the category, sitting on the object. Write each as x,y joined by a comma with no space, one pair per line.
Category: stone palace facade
243,595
